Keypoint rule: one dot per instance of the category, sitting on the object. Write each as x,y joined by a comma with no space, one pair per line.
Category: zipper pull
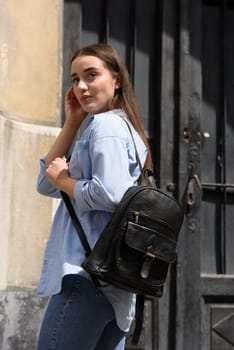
136,217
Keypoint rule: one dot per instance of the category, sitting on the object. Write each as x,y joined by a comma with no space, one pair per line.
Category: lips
86,98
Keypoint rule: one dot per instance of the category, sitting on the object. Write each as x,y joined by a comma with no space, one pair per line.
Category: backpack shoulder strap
77,224
147,177
139,317
135,147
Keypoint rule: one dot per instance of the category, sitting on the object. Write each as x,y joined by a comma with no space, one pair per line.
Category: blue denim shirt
104,161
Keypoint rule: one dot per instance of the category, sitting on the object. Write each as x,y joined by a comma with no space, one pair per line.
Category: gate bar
211,184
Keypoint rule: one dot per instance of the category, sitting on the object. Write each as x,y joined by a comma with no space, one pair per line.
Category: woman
80,315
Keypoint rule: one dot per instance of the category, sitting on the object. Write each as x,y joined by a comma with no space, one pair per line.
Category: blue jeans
80,318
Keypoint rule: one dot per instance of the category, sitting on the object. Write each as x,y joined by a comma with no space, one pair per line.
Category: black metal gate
217,220
180,56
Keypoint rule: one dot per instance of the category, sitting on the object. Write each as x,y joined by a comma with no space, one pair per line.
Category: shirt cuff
79,197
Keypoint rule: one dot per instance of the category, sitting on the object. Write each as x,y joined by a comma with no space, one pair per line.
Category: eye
75,81
92,76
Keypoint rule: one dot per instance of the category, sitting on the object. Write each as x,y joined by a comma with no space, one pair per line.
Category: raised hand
58,175
57,171
73,110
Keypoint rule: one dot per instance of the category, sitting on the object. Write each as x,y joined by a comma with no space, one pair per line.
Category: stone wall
30,98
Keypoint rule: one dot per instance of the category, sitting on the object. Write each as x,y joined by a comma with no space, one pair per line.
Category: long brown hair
124,97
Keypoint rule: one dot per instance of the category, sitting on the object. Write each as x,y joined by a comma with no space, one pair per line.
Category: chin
96,110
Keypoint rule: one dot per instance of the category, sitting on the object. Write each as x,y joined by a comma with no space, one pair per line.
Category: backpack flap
153,244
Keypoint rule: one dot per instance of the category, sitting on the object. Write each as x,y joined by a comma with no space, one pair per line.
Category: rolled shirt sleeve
110,175
43,185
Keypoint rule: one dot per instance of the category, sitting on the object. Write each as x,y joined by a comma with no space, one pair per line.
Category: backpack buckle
150,255
148,259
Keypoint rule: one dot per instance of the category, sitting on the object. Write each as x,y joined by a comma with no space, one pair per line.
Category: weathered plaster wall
30,85
29,64
25,215
21,312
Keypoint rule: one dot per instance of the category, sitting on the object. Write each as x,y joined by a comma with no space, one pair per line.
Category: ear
117,84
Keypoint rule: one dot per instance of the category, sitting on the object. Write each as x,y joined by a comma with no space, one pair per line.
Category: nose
81,85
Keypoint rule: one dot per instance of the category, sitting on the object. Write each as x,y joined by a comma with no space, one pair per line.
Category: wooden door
205,270
217,174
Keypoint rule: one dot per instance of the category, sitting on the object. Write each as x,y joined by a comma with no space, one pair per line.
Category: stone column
30,99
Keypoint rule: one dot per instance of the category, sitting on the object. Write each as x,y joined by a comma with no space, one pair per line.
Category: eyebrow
85,70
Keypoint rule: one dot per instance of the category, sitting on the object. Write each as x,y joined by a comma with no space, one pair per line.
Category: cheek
109,91
106,88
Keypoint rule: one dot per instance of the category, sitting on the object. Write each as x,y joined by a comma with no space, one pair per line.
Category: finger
70,92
